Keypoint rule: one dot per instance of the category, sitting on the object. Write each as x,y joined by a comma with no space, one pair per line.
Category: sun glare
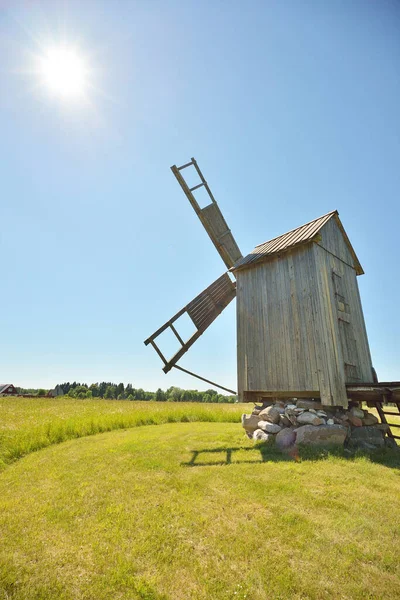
64,72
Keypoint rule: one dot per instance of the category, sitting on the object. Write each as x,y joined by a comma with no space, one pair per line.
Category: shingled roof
301,235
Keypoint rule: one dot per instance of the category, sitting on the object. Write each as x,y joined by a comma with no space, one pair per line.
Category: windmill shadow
264,453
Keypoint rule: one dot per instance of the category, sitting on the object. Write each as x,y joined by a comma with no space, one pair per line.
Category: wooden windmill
300,325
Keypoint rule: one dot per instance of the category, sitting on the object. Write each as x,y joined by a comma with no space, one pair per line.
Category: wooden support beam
203,379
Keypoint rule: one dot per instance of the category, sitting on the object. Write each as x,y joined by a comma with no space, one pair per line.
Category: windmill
300,325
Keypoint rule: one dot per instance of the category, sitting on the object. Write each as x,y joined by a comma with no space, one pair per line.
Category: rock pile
297,422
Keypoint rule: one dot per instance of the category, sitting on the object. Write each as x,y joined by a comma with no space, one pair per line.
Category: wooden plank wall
333,241
287,321
353,316
278,343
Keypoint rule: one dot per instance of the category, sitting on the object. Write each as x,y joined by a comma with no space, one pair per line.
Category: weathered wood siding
333,241
340,297
288,328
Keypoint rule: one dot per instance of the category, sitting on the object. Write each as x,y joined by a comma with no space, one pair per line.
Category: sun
64,72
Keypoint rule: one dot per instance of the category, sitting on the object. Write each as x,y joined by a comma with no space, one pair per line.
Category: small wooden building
7,389
300,324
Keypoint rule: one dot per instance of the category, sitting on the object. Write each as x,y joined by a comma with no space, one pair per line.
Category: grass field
185,510
29,424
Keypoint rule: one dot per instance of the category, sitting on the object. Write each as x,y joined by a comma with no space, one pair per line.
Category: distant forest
119,391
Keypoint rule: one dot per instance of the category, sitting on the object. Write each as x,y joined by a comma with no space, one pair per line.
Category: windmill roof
296,237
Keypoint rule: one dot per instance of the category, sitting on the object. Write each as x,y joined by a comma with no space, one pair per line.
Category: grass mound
196,511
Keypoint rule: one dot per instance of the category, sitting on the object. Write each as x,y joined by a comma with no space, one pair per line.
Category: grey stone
383,427
250,422
270,414
325,435
363,445
291,406
285,438
330,422
391,443
368,434
269,427
284,421
356,412
262,436
321,413
309,418
291,416
309,404
370,419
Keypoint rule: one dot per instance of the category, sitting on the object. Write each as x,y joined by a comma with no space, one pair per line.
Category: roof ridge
331,213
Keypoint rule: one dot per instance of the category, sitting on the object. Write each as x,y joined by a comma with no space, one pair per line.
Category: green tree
110,392
160,395
95,390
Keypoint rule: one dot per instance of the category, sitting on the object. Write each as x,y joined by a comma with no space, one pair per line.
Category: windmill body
300,324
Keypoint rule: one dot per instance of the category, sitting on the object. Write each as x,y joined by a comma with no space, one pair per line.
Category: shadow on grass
262,453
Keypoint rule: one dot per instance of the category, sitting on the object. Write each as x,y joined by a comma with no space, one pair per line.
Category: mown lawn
194,511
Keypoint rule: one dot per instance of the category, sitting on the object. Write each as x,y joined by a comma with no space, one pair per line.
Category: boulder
383,427
284,421
250,422
330,422
325,435
285,438
370,419
262,436
270,414
291,417
322,413
309,404
369,434
268,427
355,421
391,443
356,412
309,418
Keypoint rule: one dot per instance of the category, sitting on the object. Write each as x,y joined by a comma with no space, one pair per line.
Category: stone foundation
307,422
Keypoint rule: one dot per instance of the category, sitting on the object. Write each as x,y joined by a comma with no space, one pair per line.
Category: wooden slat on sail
211,217
202,310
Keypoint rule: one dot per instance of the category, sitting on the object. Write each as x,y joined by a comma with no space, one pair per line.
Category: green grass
186,510
131,515
30,424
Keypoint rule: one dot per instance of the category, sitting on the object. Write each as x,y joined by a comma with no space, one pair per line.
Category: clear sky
291,109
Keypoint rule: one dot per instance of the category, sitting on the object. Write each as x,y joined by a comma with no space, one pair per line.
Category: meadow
172,501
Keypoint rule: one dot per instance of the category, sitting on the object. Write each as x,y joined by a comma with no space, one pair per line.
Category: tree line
112,391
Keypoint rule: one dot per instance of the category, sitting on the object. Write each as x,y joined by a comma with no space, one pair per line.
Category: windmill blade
211,217
202,310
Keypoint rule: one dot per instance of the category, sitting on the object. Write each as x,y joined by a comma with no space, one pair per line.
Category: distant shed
7,389
300,324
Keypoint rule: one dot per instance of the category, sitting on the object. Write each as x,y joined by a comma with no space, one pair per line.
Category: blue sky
291,109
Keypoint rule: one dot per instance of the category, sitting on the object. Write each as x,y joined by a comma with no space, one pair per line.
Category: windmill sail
202,310
211,217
